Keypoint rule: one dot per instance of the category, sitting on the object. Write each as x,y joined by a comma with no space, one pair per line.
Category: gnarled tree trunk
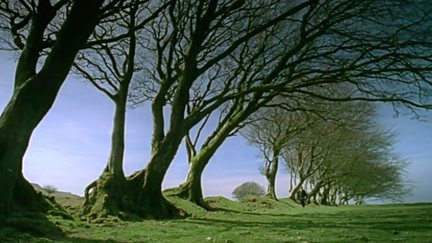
191,189
149,199
106,195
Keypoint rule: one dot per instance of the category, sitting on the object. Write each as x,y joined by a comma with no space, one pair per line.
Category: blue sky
70,147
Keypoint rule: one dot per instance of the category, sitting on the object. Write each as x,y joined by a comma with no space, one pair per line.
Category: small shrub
248,189
50,189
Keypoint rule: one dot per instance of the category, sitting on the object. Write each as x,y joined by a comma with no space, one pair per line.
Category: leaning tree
367,167
212,53
46,35
349,156
190,72
45,58
110,67
301,49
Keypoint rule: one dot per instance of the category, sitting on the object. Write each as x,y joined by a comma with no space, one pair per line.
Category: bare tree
208,54
271,131
37,80
111,67
212,54
47,36
190,72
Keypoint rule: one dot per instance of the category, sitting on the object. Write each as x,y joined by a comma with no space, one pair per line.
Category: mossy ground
253,220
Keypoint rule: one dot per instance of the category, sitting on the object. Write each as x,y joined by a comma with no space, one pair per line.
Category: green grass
260,220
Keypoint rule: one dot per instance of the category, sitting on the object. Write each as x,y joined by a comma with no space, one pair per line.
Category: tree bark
325,196
148,197
33,98
314,192
108,193
271,172
191,189
294,193
115,162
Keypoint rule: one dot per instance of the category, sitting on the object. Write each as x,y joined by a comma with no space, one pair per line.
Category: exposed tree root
126,199
105,196
185,191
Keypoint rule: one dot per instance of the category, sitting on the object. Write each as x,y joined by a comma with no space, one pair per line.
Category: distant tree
373,171
270,130
347,157
248,189
50,189
324,141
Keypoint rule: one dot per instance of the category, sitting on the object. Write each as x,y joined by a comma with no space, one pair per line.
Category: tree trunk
106,195
271,172
149,199
115,162
33,98
314,192
23,113
325,196
191,189
294,193
26,198
292,181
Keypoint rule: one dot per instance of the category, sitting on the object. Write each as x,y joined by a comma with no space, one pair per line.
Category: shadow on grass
36,227
83,240
324,221
221,209
256,209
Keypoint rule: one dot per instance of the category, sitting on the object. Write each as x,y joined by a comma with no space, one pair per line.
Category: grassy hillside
260,220
67,199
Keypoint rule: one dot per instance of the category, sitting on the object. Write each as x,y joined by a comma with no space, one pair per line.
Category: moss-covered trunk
26,198
191,189
108,193
149,199
23,113
34,94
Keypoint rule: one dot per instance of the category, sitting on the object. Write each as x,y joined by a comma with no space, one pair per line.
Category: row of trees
337,150
197,61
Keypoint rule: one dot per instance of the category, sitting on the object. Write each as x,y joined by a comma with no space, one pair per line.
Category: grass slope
260,220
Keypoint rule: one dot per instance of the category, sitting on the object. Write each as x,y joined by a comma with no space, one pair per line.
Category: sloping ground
251,204
252,220
67,199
